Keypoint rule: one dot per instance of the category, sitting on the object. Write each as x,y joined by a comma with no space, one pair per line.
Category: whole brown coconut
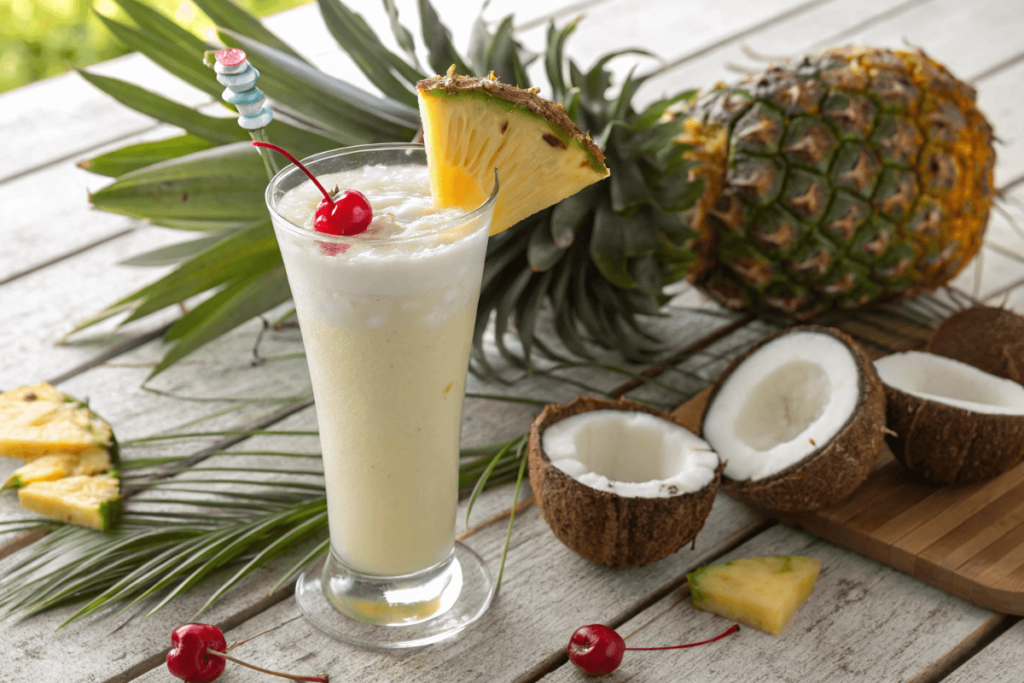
611,530
831,471
990,339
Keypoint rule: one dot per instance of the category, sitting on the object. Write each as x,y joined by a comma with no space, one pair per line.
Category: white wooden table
865,622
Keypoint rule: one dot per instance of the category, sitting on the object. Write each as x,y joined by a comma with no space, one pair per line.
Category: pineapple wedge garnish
93,502
38,420
59,465
473,127
763,592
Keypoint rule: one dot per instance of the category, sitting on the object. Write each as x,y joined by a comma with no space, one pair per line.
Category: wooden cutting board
968,540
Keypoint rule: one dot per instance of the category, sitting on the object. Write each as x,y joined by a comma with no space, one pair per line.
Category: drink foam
427,256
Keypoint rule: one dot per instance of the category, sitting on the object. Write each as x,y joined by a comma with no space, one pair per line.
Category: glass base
395,612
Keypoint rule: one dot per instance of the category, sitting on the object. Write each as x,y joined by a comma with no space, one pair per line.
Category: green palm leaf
225,183
153,21
385,70
185,65
134,157
167,552
228,15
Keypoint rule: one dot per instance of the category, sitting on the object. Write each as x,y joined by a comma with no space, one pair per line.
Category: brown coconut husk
834,470
600,526
951,445
990,339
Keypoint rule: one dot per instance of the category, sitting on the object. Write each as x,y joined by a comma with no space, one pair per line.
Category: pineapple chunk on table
93,502
763,592
38,420
59,465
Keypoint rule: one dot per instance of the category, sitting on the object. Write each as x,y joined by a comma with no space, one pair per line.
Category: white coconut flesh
631,454
944,380
785,401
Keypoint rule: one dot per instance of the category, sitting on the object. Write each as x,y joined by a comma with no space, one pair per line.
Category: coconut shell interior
950,445
990,339
834,470
614,531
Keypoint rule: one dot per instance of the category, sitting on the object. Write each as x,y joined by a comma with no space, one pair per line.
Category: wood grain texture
547,593
1000,662
47,214
59,118
864,622
44,306
792,36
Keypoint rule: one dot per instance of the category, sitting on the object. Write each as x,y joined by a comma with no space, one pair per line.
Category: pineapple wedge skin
94,502
761,592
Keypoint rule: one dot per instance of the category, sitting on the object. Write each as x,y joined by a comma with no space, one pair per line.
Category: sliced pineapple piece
472,126
59,465
42,392
44,468
93,502
38,420
94,461
763,592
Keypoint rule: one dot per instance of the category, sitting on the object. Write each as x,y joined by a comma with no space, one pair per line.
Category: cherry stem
732,629
295,161
310,679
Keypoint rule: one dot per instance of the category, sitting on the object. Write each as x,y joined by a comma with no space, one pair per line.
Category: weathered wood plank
1000,662
864,622
45,305
547,592
1000,96
821,24
47,215
60,118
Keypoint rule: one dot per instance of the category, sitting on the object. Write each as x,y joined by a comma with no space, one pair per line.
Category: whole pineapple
847,177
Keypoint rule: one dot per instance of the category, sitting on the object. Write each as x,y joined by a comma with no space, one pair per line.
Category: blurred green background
40,38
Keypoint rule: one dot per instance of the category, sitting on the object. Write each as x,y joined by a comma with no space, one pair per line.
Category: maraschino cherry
199,653
598,650
341,212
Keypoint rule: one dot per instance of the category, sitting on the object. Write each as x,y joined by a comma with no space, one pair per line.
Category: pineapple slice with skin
94,502
59,465
472,126
38,420
762,592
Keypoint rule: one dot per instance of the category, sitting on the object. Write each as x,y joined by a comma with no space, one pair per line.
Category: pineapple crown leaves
565,254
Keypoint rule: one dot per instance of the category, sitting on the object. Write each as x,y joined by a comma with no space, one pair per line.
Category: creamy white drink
387,319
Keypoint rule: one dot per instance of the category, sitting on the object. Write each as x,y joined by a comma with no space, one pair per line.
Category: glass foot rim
471,604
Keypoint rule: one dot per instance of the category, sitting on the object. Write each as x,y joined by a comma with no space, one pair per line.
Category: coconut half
798,420
620,483
954,423
990,339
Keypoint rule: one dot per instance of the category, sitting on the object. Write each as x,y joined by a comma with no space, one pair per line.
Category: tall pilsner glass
387,321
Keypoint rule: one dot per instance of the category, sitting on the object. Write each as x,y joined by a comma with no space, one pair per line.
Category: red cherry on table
188,659
596,649
349,214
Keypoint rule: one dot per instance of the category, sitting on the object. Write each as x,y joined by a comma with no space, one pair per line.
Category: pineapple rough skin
854,175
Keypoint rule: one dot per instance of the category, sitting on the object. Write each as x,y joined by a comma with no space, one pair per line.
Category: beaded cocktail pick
238,77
